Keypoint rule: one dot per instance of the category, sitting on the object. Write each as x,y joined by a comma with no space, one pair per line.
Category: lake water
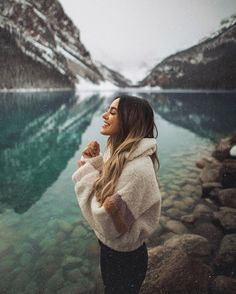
46,245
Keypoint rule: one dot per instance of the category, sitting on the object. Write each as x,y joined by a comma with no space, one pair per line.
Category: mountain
41,48
211,64
113,76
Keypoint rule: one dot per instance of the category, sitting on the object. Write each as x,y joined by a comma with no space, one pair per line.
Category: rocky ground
197,251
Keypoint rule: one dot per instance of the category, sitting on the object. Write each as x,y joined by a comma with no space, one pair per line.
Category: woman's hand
80,163
92,150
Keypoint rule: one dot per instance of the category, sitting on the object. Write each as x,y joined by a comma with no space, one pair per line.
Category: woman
118,193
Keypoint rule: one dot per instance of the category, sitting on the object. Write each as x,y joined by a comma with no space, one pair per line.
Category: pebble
72,262
167,203
176,227
56,281
74,275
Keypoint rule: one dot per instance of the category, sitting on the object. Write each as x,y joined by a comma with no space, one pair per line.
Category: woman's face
110,118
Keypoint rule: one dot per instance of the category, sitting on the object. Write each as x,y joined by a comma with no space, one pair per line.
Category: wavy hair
136,121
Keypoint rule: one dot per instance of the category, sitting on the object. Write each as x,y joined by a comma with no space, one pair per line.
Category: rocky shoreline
198,254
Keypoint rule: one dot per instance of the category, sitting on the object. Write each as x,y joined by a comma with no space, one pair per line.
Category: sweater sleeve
135,194
128,203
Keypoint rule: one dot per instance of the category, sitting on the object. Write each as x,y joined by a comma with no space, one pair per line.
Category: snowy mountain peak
45,34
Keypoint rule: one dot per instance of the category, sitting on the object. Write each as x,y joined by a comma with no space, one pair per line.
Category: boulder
213,195
205,160
223,285
211,173
209,186
174,271
223,148
203,211
176,227
227,217
211,232
191,244
201,163
226,257
188,218
227,197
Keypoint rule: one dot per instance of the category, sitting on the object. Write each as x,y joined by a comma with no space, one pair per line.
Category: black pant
123,272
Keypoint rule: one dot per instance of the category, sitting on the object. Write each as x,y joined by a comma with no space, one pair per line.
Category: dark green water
46,245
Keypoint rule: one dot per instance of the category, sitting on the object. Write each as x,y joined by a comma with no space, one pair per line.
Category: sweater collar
146,147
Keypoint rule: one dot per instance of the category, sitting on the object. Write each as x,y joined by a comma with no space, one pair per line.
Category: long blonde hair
136,121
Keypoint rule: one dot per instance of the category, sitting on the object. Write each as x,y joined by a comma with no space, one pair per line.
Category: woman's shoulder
139,166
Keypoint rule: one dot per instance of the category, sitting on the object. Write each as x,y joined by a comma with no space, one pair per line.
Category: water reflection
46,245
39,134
210,115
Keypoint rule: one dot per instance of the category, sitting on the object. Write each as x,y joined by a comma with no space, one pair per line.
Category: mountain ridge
210,64
45,34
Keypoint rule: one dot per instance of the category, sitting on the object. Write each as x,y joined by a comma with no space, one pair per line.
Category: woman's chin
104,132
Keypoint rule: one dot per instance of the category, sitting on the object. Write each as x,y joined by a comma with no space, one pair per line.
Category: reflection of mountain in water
40,133
210,115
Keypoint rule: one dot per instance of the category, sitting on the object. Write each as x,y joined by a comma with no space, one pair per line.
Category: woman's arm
136,192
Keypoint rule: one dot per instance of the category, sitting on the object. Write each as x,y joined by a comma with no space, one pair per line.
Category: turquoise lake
46,245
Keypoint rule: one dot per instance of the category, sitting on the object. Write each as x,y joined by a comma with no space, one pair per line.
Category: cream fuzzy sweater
129,216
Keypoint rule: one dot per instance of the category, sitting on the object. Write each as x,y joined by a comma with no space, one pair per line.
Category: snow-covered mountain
211,64
41,47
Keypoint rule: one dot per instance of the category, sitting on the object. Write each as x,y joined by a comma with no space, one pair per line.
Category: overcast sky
129,34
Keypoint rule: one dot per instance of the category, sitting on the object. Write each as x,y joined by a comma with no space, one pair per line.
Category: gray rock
65,226
8,263
211,232
209,186
227,197
189,201
223,148
71,262
193,245
32,288
164,219
227,217
79,232
5,248
56,281
188,218
176,227
166,236
205,160
213,194
201,163
173,271
71,289
20,282
227,252
211,173
223,285
174,212
189,188
203,211
74,275
167,203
